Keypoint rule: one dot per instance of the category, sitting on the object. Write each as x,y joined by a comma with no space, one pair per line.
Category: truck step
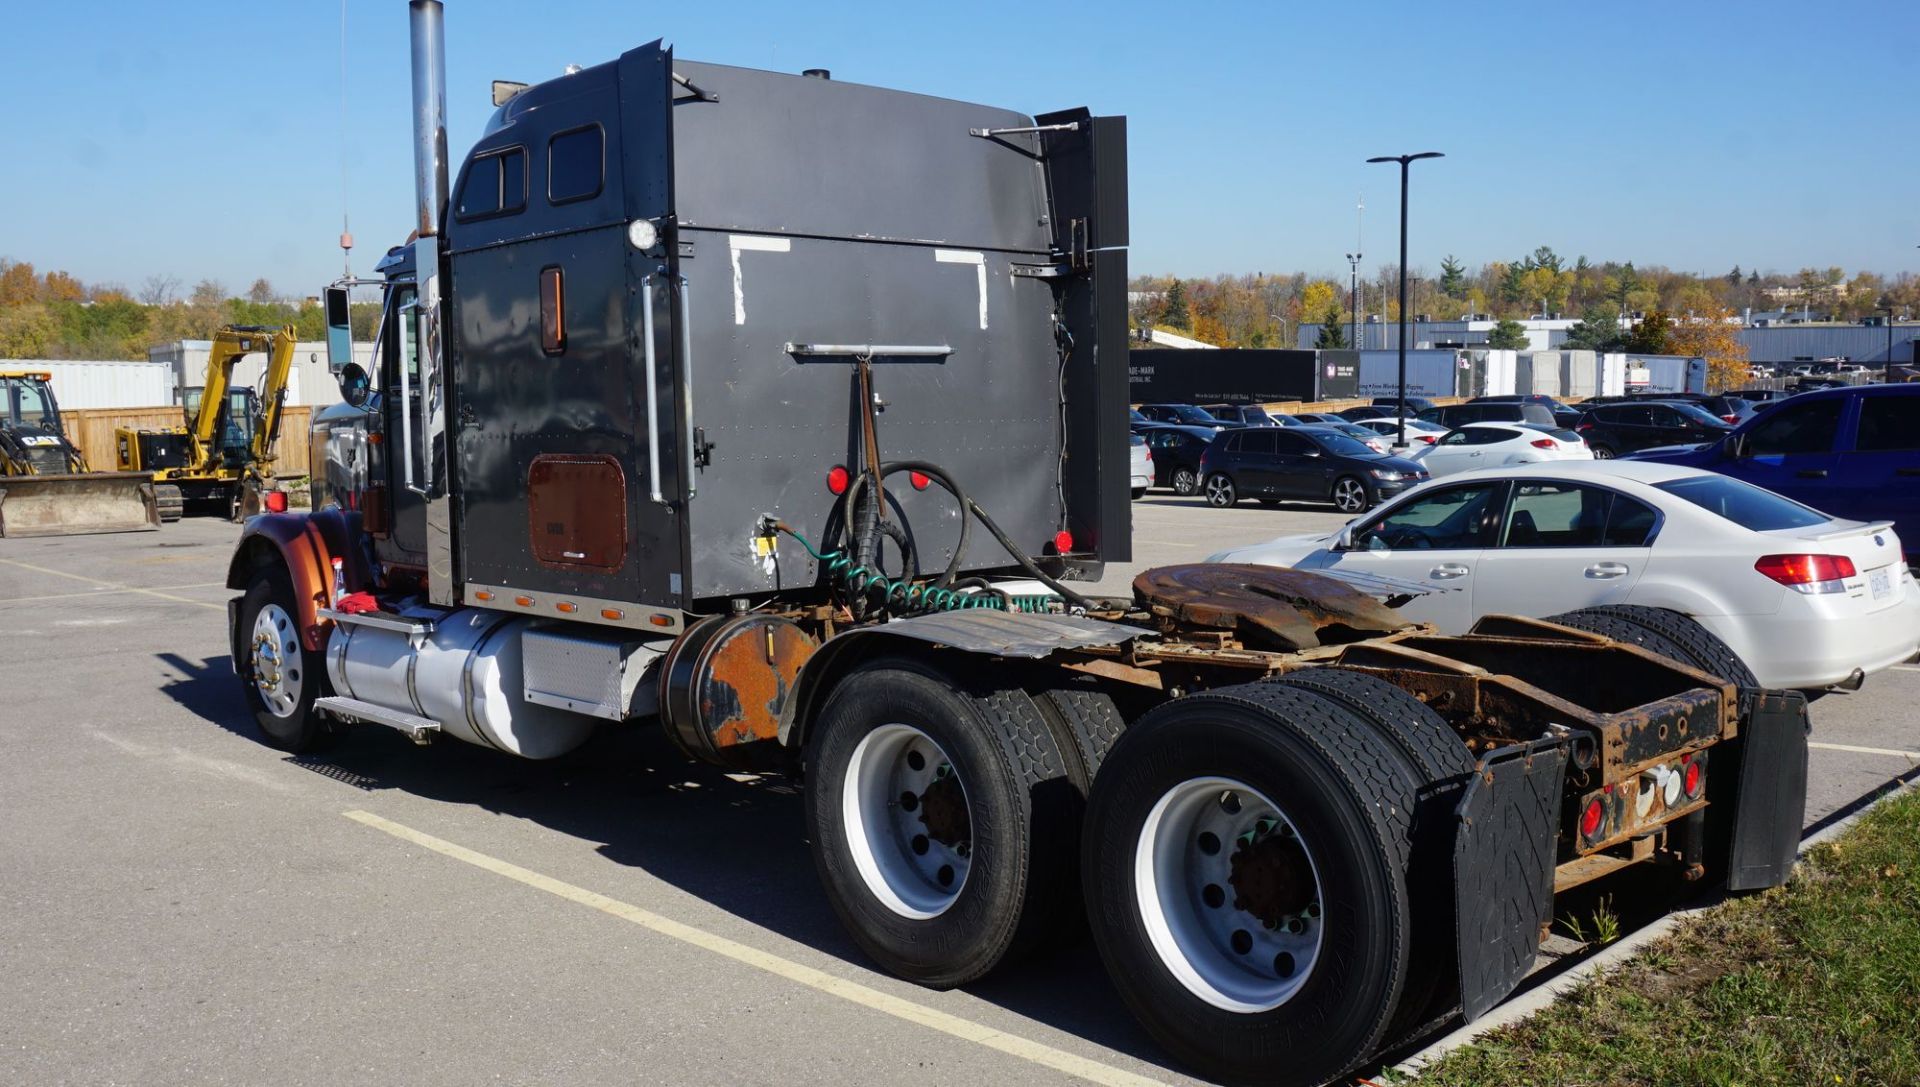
418,729
417,628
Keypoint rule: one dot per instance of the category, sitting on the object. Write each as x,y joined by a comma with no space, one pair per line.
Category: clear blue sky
204,139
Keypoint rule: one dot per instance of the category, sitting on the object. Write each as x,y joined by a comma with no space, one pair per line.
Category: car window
1629,523
1743,503
1340,444
1451,518
1456,437
1888,423
1490,435
1662,415
1796,428
1165,439
1555,515
1630,415
1258,441
1291,443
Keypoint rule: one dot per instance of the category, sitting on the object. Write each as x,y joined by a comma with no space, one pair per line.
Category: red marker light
1591,818
919,480
837,479
276,501
1063,541
1690,777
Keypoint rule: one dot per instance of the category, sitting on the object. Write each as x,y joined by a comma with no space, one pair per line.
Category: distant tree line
56,316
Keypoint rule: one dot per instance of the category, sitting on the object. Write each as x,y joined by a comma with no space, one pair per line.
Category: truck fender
305,544
977,632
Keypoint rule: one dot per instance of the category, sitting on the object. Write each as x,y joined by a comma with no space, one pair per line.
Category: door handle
1906,471
1604,570
1447,571
1812,473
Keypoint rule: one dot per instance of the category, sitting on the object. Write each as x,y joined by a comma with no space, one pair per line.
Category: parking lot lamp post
1886,373
1400,440
1353,300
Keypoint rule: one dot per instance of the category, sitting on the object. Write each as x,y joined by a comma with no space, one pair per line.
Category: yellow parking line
852,991
104,592
113,585
1914,755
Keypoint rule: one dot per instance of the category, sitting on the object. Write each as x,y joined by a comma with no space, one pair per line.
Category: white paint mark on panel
979,262
760,244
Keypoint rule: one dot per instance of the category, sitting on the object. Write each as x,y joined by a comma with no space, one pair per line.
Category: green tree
1650,336
1453,278
1332,335
1733,277
1175,313
1597,330
1508,335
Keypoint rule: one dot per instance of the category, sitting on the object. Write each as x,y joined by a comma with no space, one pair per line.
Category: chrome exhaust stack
426,20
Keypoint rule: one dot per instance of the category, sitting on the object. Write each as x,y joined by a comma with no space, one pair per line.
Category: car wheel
1185,482
1350,495
1139,493
1220,492
1603,452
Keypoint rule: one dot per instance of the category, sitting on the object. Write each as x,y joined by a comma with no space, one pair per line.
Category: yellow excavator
45,487
223,456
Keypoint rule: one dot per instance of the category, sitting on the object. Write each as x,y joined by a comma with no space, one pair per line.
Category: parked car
1419,431
1140,464
1563,414
1459,415
1853,452
1181,414
1761,397
1176,451
1805,600
1611,430
1309,463
1415,404
1135,420
1318,418
1367,411
1240,414
1369,438
1498,445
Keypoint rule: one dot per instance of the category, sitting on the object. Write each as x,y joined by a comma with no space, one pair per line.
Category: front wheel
1220,492
282,676
1603,452
1350,495
1185,482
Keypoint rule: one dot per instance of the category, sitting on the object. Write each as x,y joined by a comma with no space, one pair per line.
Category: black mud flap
1770,797
233,632
1503,868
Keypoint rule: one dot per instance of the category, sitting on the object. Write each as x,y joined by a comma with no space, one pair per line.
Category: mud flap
1503,868
1769,773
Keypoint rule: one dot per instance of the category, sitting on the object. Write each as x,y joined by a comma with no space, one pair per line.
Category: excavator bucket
77,504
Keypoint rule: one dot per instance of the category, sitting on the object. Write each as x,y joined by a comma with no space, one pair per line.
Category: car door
1790,451
1436,537
1453,453
1298,465
1165,444
1562,546
1253,461
1878,475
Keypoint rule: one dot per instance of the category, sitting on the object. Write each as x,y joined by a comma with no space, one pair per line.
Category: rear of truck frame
787,412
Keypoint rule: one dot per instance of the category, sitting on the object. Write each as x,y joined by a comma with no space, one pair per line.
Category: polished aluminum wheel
276,660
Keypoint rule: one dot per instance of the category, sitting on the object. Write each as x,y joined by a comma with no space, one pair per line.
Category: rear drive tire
1220,813
280,675
943,822
1220,491
1350,495
1668,633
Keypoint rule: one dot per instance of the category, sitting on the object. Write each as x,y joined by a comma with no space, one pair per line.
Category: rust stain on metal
1278,608
748,679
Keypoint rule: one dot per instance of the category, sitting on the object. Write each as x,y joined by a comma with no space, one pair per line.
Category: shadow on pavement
735,841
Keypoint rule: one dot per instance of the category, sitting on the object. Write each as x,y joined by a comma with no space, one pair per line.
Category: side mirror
1343,540
1735,446
339,331
355,387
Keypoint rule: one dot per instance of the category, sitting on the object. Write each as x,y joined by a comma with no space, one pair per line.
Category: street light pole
1353,300
1400,441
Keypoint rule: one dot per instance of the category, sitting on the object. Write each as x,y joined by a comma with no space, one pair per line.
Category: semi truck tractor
785,415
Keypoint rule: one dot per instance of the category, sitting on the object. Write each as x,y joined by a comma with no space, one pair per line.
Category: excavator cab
32,441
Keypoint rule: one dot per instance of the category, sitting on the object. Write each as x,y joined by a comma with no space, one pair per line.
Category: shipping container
123,383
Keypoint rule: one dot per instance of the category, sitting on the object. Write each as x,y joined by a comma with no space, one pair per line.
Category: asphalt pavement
183,904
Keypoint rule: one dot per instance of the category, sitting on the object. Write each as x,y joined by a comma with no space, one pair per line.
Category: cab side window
1888,423
576,162
1796,428
496,184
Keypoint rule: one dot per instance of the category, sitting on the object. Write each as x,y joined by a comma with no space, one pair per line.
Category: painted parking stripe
1914,755
851,991
106,592
113,585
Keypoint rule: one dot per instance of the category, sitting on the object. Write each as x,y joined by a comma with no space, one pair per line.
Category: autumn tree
1712,336
19,286
261,292
1508,335
61,287
160,289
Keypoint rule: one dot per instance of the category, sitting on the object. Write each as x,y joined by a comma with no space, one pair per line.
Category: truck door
559,459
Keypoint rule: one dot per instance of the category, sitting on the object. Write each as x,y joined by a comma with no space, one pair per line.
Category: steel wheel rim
1184,864
1349,495
902,847
1220,491
1183,481
278,670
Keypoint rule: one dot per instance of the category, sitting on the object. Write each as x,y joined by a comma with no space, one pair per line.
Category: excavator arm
230,345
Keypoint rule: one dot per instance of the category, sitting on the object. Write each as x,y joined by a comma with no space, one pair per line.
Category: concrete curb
1614,956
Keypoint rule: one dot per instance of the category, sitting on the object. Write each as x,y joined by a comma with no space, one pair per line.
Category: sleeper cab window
575,162
496,184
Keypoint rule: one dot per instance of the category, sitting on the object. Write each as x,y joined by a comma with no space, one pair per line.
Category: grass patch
1817,982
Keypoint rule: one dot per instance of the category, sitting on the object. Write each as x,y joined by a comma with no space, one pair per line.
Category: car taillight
1584,426
1427,438
1148,452
1731,418
1808,574
1542,443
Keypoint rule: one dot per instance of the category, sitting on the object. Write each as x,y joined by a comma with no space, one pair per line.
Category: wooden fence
91,429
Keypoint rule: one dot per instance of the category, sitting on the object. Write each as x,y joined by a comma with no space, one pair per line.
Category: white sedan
1806,600
1497,445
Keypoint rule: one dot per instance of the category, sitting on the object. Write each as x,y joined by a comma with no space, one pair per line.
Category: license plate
1881,582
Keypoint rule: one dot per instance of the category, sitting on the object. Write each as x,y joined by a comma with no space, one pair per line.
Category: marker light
838,479
1591,819
919,480
642,234
1063,541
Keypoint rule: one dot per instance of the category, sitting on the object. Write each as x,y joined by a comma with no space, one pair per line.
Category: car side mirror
1735,446
1343,540
356,387
339,330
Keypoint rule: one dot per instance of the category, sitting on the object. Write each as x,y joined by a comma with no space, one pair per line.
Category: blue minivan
1852,453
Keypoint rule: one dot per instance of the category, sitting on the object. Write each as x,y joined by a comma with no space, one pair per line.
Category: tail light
1592,819
1693,776
1731,418
276,501
1149,454
1063,542
838,479
1542,443
1427,438
1808,574
1584,426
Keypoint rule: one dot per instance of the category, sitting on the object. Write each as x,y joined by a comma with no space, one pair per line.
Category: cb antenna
346,228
